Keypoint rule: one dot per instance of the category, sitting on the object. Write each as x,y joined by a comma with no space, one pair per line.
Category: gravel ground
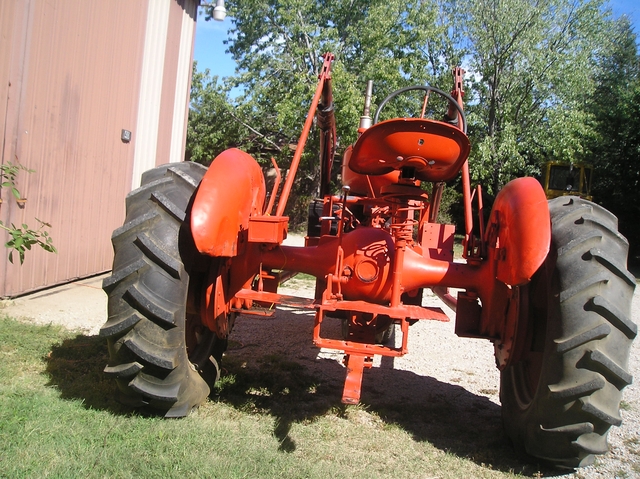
440,360
439,366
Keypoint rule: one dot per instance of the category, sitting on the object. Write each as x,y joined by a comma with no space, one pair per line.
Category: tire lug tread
577,340
613,315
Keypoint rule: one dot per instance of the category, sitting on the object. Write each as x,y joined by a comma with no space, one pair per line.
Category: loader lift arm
323,90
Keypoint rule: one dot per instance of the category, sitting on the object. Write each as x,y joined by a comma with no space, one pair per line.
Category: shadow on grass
75,367
451,419
447,416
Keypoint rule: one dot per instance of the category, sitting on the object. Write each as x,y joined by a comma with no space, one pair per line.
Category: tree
278,45
615,149
531,64
530,71
215,123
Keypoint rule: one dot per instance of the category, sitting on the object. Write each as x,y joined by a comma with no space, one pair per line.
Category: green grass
58,419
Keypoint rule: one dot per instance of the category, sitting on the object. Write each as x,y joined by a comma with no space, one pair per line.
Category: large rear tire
153,329
562,394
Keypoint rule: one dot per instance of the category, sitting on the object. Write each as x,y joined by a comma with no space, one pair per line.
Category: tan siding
183,82
177,81
73,74
149,118
167,105
10,20
79,89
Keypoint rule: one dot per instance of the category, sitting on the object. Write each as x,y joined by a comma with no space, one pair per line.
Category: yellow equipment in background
560,179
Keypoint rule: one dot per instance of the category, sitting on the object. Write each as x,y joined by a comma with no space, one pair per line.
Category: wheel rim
199,339
526,372
204,348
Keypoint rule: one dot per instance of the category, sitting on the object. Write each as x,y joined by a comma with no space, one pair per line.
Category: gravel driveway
439,361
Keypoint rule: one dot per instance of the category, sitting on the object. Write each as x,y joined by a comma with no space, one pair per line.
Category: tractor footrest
275,298
403,311
256,311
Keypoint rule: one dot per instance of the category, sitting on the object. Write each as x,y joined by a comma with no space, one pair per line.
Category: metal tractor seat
435,150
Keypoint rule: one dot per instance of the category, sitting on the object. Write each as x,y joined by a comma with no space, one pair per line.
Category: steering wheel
426,89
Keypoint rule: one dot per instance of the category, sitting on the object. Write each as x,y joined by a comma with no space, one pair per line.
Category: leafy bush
22,238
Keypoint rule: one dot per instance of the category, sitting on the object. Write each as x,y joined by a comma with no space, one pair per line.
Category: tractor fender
232,190
519,229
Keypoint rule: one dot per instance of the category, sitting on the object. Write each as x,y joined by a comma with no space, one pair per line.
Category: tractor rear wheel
161,356
562,394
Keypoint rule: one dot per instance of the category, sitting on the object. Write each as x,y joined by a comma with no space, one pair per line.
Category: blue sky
210,50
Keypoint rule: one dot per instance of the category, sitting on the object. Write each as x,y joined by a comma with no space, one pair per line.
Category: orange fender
231,191
520,228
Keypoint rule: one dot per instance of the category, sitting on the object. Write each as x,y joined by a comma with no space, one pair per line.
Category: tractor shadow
75,368
272,368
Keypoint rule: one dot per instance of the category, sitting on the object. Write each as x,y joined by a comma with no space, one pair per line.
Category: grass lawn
58,419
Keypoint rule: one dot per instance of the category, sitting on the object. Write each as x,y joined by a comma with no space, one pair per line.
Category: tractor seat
435,150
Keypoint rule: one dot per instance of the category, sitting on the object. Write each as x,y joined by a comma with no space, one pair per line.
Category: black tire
150,330
562,394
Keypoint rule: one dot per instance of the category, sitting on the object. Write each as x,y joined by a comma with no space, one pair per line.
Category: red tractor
545,281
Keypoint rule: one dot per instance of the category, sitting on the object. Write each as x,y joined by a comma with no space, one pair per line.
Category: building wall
165,80
73,75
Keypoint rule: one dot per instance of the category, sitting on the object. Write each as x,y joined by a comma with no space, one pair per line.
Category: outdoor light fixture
219,12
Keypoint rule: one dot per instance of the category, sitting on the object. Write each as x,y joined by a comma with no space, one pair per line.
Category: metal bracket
356,363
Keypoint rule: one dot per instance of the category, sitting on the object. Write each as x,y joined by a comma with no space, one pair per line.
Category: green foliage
22,238
8,173
531,64
212,127
530,73
498,158
615,148
216,122
450,198
278,44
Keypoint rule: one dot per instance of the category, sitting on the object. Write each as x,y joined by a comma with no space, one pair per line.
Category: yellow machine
561,179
